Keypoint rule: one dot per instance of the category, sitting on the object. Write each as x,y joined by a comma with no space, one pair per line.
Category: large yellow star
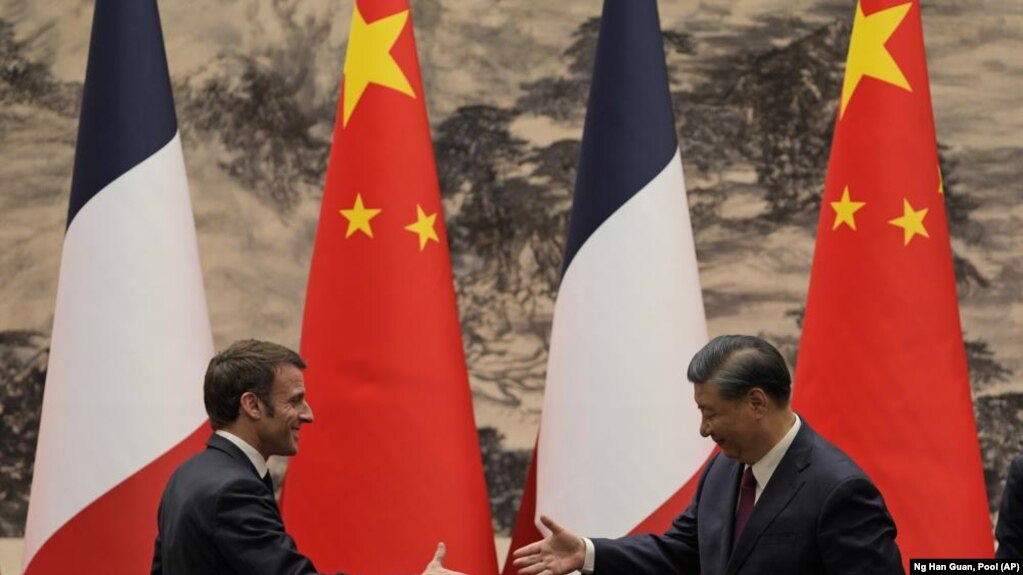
911,222
845,209
358,217
369,58
867,53
423,226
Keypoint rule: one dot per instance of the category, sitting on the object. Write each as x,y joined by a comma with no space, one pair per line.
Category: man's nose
307,416
704,429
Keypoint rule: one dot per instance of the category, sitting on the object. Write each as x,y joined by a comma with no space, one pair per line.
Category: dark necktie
269,482
747,496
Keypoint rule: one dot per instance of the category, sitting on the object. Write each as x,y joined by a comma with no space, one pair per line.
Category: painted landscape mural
755,86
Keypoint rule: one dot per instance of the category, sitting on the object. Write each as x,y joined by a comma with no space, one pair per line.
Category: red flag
881,369
392,464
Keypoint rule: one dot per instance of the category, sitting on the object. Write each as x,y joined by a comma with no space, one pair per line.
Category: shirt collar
764,469
254,456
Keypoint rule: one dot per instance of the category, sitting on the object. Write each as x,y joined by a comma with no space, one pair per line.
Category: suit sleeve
677,551
157,567
250,535
1010,515
855,532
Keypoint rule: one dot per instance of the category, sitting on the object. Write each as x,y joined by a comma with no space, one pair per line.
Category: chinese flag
881,369
392,465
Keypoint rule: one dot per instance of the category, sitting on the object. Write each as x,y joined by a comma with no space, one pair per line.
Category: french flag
619,449
131,336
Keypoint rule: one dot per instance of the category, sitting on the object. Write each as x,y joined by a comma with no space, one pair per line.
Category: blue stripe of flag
127,106
629,135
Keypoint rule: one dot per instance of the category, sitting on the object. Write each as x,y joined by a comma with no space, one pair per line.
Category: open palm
559,553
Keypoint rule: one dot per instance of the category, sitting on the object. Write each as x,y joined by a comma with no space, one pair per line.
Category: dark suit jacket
1010,515
217,517
819,513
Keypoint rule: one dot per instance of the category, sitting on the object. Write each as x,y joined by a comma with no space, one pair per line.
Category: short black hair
247,365
736,364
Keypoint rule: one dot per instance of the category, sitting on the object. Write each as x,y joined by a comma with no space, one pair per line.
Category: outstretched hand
436,565
560,553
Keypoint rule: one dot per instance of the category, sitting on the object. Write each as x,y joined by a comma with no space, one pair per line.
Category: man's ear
251,405
758,400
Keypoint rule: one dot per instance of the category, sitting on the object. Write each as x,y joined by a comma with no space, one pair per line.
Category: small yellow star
423,226
941,182
911,222
867,53
845,209
369,59
358,217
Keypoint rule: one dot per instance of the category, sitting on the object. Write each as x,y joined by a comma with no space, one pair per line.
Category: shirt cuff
591,557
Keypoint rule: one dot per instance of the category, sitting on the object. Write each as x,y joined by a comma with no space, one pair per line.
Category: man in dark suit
1010,515
218,515
778,498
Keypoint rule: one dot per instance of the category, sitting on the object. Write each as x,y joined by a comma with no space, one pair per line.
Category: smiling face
731,423
278,427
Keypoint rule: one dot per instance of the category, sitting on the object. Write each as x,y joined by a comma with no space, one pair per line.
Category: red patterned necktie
747,496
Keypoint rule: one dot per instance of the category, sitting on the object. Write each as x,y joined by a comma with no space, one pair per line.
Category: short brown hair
247,365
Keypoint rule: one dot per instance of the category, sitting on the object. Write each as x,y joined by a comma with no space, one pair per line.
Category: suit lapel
733,503
786,481
717,513
221,444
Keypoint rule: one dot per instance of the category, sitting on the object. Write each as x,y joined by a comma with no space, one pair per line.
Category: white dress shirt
254,456
764,468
